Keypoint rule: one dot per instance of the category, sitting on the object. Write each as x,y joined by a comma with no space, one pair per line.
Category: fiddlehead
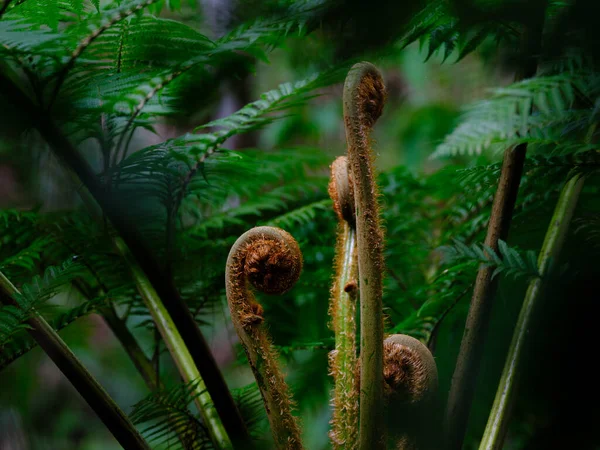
364,97
342,310
410,383
270,260
409,370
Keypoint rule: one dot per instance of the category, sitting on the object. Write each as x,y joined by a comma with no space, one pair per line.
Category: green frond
32,296
509,260
589,227
302,215
22,343
545,110
250,404
167,420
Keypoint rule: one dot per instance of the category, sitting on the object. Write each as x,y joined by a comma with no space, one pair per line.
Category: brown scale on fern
270,260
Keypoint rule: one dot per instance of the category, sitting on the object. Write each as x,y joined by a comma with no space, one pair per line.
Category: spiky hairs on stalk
270,260
342,310
364,97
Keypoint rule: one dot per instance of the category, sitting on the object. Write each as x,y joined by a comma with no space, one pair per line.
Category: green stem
133,349
92,392
498,420
178,350
464,379
342,310
344,431
364,97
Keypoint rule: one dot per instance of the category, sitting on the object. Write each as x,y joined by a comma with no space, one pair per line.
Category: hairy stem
495,431
270,260
364,97
178,350
465,374
342,310
92,392
116,210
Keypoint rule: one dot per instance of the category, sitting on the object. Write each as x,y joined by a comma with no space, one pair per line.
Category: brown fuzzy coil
409,370
341,190
273,267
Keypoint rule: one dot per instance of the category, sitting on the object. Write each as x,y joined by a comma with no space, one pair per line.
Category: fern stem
342,310
178,350
364,97
495,431
470,354
343,359
132,348
269,258
103,405
117,212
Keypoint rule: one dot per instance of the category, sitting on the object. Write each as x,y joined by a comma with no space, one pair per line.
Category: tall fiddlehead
342,310
364,97
270,260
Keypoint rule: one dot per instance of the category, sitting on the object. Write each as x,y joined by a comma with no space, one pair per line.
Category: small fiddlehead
409,371
364,97
342,310
410,383
270,260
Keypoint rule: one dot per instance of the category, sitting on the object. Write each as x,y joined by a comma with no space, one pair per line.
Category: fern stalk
103,405
116,211
495,431
342,310
178,350
132,348
270,260
465,374
364,97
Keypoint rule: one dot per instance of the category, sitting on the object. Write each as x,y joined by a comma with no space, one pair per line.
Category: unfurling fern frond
509,260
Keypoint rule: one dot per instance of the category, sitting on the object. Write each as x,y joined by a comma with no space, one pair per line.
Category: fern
539,111
21,343
32,296
171,422
508,261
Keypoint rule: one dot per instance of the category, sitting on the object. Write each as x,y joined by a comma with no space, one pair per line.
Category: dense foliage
135,86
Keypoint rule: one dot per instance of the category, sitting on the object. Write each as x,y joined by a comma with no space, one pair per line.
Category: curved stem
178,350
342,310
364,97
498,420
270,259
85,383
